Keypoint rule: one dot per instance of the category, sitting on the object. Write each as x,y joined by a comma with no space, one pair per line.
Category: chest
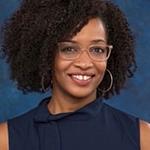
75,135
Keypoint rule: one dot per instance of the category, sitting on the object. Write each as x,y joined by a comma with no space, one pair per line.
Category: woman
84,51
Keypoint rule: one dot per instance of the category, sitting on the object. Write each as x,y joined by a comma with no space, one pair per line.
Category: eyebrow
98,41
93,41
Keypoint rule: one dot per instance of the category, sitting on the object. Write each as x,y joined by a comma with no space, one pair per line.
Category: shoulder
28,121
11,128
20,126
124,124
3,136
29,116
145,135
25,117
133,126
120,116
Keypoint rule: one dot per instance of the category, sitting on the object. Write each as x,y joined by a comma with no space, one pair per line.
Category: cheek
57,68
60,67
100,70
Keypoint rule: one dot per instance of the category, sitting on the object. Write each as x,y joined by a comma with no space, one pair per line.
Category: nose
83,61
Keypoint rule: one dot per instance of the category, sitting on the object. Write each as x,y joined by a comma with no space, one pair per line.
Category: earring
111,83
43,89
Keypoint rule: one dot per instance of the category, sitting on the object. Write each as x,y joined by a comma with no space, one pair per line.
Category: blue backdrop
135,99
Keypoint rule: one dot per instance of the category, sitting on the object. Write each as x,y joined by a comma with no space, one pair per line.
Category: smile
82,77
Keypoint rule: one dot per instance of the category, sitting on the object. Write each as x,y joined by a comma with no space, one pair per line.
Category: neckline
87,112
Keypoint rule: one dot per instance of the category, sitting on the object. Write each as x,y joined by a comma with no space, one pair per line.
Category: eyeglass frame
81,50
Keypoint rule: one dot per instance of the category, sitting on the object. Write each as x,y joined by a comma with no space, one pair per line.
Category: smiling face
79,78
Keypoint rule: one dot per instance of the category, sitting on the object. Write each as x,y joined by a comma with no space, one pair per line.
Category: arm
145,135
3,136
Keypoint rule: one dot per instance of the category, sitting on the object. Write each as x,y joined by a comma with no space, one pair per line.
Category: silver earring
43,89
111,83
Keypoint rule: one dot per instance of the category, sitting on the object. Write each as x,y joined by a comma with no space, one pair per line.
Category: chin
83,94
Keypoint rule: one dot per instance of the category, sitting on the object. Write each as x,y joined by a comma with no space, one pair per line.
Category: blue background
135,99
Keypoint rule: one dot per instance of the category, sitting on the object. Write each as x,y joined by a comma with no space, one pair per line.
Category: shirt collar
88,111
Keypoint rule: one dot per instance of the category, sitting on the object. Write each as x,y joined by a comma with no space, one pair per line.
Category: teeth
82,77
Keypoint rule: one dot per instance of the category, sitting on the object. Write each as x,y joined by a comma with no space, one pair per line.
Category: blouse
96,126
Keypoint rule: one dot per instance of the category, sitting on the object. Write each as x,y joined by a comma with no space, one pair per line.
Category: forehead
93,30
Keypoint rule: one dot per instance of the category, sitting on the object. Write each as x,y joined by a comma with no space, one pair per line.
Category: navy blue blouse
96,126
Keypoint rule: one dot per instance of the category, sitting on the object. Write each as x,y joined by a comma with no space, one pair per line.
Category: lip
82,73
82,82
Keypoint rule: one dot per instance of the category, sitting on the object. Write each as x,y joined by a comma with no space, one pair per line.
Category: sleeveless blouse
96,126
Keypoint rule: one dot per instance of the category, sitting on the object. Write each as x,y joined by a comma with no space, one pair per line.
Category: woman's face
80,77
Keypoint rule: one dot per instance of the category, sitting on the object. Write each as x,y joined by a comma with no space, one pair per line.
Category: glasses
97,52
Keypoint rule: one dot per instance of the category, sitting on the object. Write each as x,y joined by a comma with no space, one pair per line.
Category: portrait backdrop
134,99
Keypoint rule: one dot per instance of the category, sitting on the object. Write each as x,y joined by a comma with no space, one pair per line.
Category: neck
61,103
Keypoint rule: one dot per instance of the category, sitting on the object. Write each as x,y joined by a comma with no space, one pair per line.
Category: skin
71,96
67,94
145,135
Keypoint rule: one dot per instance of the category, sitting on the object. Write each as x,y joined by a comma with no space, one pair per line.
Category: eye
97,50
68,50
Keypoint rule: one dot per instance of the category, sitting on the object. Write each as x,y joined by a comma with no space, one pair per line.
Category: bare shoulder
145,135
3,136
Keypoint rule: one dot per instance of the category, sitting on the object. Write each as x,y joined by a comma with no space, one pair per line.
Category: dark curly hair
33,31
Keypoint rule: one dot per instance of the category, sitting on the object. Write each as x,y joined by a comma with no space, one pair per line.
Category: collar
87,112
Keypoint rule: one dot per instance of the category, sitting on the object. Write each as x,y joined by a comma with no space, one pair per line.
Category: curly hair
31,35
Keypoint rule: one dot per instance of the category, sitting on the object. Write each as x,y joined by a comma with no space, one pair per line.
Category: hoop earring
42,84
43,89
111,83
